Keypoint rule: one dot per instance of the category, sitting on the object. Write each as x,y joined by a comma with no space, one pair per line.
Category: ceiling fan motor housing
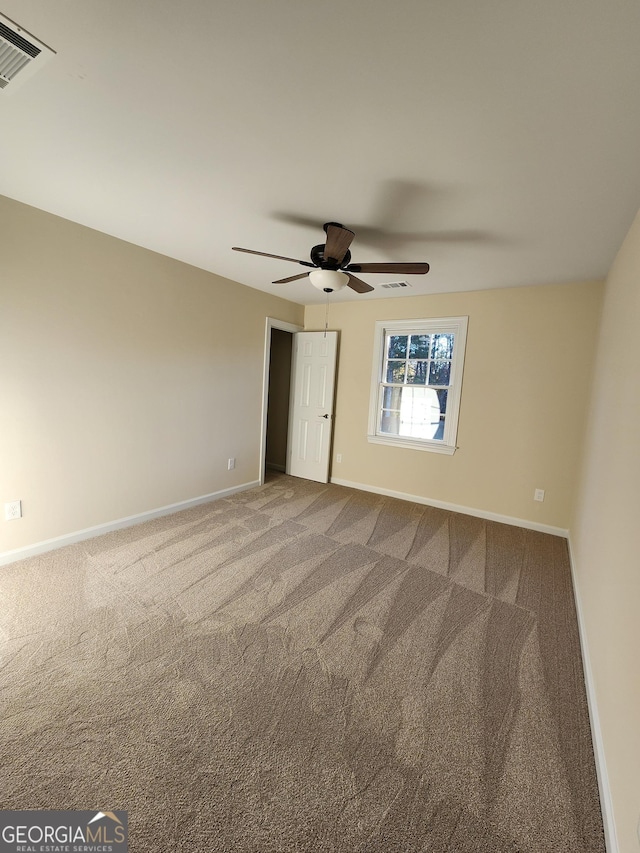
317,256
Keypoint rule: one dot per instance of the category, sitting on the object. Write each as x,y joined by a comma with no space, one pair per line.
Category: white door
313,372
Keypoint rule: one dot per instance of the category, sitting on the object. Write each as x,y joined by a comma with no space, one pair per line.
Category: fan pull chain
326,317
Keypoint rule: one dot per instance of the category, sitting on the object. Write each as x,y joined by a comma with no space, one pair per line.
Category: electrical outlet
12,510
338,457
231,464
538,495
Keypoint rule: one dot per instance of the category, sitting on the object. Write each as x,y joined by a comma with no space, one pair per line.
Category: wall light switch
538,495
231,464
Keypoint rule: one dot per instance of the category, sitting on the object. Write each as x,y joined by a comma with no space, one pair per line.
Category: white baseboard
465,510
88,533
606,803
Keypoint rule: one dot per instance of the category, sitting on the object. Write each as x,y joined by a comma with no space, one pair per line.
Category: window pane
442,346
390,422
439,373
418,415
439,433
397,346
417,373
419,346
442,399
395,371
391,398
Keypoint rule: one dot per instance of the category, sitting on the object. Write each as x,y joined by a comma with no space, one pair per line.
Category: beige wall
128,379
605,537
527,375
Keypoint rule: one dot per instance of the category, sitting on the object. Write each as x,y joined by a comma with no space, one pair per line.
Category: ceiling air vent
396,284
20,54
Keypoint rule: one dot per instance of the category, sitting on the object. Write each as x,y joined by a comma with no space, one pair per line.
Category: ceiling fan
331,267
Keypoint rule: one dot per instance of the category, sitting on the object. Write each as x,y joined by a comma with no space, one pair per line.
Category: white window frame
436,325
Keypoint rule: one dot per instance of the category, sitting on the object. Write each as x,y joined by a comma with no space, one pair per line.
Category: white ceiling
498,139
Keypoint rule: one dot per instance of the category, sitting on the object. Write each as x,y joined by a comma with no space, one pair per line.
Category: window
417,382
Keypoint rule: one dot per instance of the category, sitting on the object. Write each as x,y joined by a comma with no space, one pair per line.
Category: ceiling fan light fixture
328,280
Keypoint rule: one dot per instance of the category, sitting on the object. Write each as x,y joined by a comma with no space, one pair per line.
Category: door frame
271,323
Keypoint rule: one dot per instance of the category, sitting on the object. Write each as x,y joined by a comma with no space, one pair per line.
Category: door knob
323,416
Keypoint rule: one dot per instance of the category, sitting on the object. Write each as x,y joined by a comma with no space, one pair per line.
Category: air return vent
20,55
396,284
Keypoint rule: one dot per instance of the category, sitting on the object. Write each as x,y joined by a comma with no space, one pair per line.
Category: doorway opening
278,400
276,395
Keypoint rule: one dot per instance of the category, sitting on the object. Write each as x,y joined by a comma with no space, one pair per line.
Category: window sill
413,444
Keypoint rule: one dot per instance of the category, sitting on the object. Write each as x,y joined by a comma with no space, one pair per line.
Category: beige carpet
303,667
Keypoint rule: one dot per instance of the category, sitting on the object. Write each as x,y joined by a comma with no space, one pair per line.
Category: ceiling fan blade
407,269
358,285
267,255
291,278
338,241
